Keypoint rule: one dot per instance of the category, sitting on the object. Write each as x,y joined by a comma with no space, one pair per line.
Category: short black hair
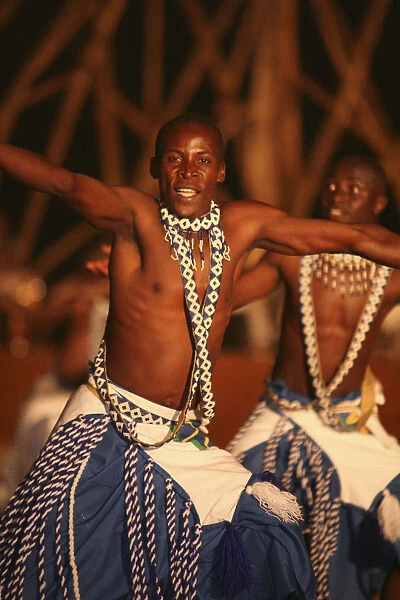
188,118
371,163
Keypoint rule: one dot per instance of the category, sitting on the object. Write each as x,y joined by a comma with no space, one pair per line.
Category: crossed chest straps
179,234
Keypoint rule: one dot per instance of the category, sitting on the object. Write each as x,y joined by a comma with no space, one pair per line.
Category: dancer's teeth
186,192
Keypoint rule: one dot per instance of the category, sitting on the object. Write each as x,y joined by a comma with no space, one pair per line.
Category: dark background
33,127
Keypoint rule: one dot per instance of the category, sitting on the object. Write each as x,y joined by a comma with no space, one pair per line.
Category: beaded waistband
136,409
346,408
145,411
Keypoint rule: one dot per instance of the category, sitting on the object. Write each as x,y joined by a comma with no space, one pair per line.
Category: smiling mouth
335,212
186,192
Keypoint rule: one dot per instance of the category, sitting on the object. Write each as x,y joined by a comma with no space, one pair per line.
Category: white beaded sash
323,392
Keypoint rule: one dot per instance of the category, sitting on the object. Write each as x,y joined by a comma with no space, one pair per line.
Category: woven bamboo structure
238,60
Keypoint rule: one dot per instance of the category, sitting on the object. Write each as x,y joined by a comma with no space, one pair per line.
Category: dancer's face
352,194
189,168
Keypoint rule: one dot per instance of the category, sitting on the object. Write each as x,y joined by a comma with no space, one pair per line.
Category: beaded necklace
200,316
346,273
323,392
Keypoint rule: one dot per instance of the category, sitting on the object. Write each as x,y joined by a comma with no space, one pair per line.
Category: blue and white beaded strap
121,411
200,318
205,222
200,326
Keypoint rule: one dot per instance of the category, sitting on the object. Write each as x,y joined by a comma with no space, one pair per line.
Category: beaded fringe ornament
194,226
176,233
323,392
346,273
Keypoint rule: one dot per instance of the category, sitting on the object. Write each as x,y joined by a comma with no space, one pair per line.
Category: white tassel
273,501
389,517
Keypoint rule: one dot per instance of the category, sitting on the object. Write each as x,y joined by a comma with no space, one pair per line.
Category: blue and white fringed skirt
99,517
347,483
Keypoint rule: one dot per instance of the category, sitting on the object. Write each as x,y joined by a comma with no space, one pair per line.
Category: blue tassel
272,478
235,568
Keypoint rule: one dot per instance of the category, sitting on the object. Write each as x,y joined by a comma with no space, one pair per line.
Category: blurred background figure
72,319
20,289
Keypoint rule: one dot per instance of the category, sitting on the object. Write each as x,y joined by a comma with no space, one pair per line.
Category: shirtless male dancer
127,498
312,428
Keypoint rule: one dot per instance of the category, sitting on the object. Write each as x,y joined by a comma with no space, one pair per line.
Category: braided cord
243,429
134,527
15,521
193,565
142,534
171,531
182,557
22,526
59,556
72,557
150,505
271,448
64,460
322,518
